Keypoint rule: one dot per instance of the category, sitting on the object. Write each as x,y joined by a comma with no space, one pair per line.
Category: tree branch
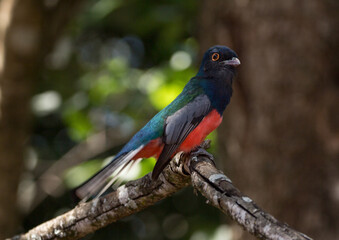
221,193
98,213
139,194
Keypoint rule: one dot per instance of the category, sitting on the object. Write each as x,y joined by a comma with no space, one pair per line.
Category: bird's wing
177,128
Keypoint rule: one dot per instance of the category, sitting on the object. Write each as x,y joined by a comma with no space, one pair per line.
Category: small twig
139,194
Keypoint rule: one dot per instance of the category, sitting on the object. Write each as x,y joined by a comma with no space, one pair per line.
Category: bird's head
218,60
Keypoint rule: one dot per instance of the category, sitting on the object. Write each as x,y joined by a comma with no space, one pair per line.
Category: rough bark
280,133
128,199
139,194
28,30
221,193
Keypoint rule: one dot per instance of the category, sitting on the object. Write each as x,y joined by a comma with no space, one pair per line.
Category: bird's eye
215,57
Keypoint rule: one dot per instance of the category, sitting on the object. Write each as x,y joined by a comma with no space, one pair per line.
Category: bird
180,126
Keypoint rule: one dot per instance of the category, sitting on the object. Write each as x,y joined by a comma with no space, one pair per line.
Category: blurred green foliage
119,63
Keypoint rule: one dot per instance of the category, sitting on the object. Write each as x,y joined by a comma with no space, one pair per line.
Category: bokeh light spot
45,103
180,60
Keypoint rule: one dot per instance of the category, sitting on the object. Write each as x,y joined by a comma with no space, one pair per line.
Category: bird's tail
99,181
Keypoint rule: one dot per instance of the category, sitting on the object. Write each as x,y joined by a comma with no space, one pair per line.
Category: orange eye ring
215,57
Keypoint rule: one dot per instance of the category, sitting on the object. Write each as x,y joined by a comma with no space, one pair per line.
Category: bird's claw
206,144
201,152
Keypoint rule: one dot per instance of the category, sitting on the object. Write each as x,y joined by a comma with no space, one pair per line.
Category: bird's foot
206,144
195,153
193,157
201,152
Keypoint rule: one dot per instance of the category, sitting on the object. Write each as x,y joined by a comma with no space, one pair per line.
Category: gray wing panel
178,126
180,123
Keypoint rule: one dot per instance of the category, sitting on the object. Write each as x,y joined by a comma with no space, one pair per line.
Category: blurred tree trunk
281,131
28,29
20,40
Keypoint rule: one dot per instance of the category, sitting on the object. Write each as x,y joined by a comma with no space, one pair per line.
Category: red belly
207,125
152,149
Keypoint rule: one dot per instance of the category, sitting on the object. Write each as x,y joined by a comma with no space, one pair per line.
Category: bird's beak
232,62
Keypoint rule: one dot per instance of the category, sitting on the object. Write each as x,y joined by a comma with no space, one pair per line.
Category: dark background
78,78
